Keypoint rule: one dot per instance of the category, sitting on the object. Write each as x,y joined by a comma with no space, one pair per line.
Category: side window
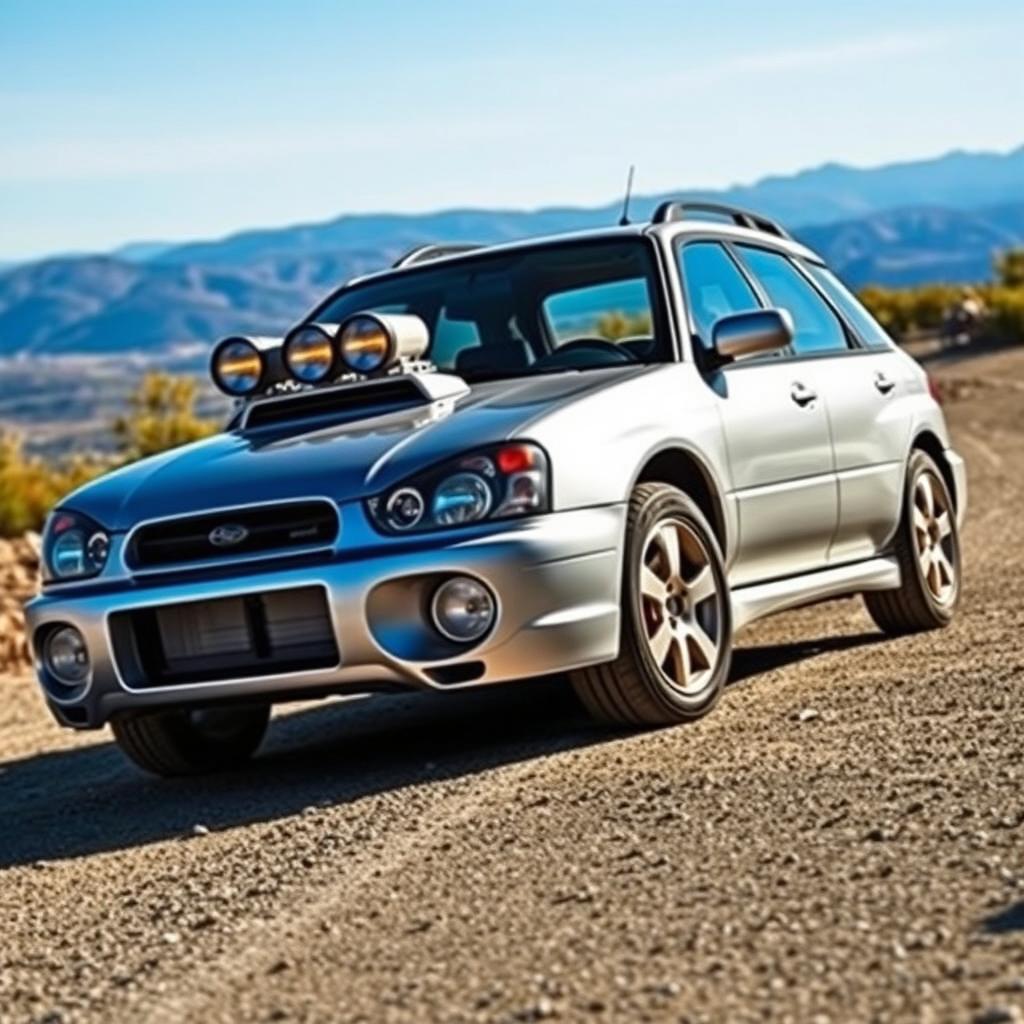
714,286
450,337
868,329
614,311
817,328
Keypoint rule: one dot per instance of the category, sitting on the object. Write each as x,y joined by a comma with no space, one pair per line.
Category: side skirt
755,602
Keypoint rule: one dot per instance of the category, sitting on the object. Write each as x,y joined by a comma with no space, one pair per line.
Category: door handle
883,383
801,394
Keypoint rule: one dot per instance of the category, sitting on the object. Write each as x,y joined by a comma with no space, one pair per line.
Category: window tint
715,287
869,330
505,314
817,328
616,310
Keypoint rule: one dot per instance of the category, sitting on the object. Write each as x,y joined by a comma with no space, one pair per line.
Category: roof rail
425,253
673,209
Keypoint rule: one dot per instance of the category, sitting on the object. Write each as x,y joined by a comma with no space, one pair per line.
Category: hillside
917,244
938,219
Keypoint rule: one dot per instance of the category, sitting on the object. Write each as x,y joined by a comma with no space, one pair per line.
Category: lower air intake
270,633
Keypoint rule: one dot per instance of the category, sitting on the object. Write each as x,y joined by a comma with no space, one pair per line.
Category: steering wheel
573,353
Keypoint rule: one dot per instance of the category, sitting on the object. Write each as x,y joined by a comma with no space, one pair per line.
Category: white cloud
867,49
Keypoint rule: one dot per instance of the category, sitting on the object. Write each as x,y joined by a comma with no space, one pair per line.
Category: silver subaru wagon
600,454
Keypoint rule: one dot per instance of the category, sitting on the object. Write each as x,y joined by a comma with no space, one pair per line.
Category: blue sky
126,121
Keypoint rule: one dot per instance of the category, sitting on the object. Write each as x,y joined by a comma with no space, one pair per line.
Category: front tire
192,742
927,548
676,640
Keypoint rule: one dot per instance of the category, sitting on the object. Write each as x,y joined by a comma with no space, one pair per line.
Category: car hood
342,462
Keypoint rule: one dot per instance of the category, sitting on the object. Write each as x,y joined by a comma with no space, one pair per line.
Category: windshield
570,306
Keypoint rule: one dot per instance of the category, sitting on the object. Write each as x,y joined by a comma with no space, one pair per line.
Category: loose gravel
840,841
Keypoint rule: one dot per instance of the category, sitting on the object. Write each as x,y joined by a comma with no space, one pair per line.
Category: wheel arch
929,442
682,468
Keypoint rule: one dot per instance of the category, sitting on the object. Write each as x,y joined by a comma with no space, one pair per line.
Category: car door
868,402
776,432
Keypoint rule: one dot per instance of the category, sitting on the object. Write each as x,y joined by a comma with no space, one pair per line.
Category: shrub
29,487
162,415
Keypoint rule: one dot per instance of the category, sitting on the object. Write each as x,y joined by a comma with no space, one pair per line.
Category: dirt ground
840,841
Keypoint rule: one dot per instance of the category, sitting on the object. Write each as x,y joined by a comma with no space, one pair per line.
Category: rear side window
817,328
868,329
714,285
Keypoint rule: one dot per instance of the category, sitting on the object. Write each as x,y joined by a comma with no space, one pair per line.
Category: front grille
226,638
215,536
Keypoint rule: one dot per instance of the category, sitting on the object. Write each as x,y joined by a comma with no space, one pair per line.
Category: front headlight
74,547
501,482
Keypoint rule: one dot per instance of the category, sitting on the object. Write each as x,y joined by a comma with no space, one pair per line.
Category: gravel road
840,841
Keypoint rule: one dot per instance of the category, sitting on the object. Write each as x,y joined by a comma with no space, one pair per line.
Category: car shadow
76,802
1011,919
748,662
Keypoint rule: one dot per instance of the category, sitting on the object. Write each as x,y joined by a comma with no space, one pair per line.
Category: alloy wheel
933,538
680,604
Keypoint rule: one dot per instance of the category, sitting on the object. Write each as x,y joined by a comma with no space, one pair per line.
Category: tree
163,415
1010,268
29,487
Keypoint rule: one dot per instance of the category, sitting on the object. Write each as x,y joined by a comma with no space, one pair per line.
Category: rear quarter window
870,332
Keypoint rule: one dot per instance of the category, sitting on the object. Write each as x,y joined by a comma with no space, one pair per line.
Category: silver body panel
808,498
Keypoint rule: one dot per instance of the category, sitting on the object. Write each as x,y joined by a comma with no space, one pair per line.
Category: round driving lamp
371,343
463,609
66,656
309,353
364,344
237,367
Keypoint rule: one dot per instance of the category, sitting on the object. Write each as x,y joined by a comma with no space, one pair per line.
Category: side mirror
752,333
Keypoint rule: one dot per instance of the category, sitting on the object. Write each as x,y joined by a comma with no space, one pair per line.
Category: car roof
445,254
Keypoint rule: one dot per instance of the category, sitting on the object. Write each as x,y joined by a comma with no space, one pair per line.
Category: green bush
905,311
1009,268
29,487
161,416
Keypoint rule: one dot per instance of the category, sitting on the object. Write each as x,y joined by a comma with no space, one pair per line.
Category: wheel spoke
708,651
668,542
924,559
945,525
920,521
680,658
944,569
660,642
924,488
651,584
702,586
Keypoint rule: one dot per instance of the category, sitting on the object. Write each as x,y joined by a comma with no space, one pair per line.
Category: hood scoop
354,401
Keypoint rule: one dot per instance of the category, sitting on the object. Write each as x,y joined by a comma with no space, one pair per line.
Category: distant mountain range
938,219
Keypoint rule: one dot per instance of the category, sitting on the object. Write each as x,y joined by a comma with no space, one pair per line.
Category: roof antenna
624,219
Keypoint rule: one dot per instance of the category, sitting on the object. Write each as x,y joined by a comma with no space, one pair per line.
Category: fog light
463,609
66,657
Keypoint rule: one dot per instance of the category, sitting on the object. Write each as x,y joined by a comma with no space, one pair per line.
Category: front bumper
556,579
